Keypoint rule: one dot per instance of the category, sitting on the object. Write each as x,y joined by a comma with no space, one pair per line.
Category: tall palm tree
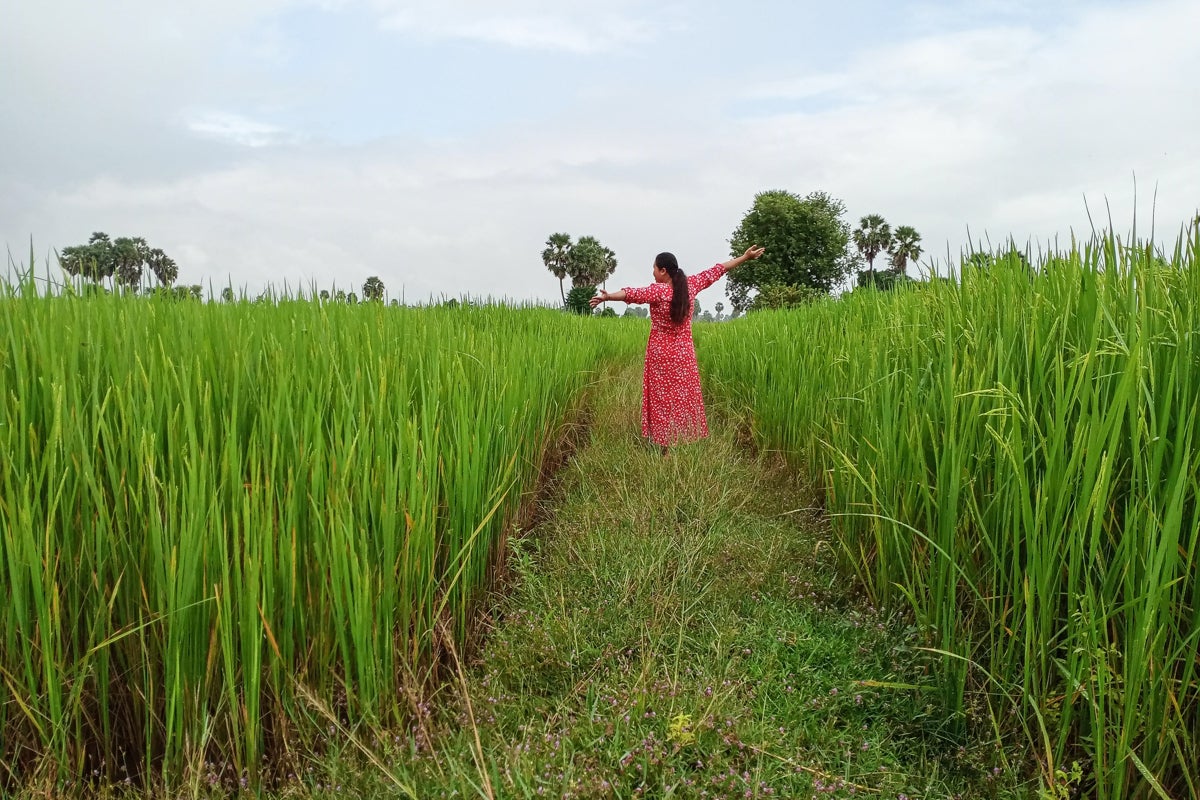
906,246
871,237
163,266
557,257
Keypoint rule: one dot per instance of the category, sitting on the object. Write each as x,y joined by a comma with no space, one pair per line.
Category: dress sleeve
702,280
656,293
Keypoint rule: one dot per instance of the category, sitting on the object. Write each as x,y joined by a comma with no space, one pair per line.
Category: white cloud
1005,129
238,129
578,28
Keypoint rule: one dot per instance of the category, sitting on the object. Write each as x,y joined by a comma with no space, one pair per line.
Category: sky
437,143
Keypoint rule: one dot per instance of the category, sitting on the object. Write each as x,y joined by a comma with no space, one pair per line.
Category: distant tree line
126,260
810,251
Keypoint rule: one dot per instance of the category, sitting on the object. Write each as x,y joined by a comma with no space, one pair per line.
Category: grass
677,628
246,531
222,525
1012,455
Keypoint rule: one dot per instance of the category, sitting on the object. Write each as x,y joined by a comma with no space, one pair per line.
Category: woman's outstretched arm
603,297
752,252
702,280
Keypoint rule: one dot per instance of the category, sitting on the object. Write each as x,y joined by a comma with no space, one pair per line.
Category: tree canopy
373,288
558,247
872,236
586,262
578,299
123,259
590,263
806,243
905,247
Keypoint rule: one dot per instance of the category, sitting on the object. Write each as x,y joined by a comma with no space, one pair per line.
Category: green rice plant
1013,453
210,512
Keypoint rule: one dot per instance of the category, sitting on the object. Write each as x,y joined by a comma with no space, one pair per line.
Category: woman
672,407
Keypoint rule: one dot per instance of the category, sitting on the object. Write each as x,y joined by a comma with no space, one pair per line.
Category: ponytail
681,301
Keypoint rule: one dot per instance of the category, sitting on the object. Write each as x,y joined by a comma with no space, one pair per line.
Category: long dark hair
681,302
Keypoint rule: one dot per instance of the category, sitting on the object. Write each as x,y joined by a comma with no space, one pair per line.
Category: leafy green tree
227,295
324,295
340,297
905,247
578,299
608,312
872,237
556,257
373,289
695,308
719,307
124,259
352,298
806,243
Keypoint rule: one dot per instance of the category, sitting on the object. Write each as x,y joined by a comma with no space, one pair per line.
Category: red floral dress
672,407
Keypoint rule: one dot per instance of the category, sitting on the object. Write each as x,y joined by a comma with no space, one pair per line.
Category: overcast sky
437,143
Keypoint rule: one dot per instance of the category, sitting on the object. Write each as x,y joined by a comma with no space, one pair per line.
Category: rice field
1013,455
229,528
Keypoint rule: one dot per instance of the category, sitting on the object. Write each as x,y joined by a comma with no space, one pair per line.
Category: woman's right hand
602,297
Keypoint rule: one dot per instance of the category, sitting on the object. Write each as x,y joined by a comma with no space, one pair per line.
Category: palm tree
373,288
906,246
129,256
162,265
872,237
719,307
556,257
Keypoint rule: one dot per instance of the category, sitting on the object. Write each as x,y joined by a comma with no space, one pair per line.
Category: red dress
672,407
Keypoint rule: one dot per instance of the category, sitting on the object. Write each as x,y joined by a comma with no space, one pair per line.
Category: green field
1014,456
223,522
230,530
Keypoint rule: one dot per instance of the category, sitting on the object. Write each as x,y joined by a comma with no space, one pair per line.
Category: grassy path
675,628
